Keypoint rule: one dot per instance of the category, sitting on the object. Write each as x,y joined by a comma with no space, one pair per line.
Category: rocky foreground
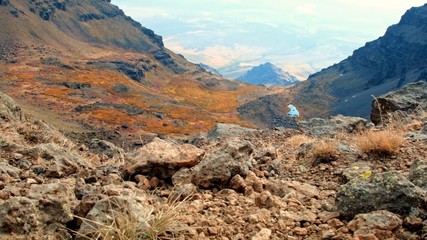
234,183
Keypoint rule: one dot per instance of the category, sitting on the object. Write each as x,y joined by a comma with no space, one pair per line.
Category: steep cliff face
385,64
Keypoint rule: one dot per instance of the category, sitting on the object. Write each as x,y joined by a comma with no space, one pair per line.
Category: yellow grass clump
383,142
324,151
298,140
160,222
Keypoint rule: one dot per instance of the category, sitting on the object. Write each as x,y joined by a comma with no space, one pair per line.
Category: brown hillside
87,68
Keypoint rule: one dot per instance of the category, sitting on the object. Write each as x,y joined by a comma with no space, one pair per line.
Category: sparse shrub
324,151
124,224
382,143
298,140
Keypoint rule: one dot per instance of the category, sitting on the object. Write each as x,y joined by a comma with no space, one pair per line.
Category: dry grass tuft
124,224
324,151
298,140
382,143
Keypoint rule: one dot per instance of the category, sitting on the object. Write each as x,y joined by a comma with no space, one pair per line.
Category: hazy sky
300,36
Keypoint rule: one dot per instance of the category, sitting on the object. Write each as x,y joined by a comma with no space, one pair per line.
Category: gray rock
417,136
217,168
182,176
106,148
163,159
386,191
55,201
411,97
19,215
12,171
228,130
358,169
52,161
333,125
418,174
9,110
424,131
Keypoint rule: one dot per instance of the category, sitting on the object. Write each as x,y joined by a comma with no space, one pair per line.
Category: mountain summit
381,66
268,75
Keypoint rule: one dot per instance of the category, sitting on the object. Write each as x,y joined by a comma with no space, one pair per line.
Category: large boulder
219,167
411,97
384,191
46,207
162,159
9,110
18,215
55,201
333,125
53,161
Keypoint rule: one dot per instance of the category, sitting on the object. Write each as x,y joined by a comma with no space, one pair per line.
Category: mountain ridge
269,75
348,87
90,70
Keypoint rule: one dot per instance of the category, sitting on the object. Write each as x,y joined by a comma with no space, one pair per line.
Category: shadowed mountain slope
383,65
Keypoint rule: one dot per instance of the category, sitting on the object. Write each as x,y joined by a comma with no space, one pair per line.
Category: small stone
326,216
154,182
4,195
237,183
143,182
335,223
213,231
413,223
264,200
31,181
263,234
328,234
300,231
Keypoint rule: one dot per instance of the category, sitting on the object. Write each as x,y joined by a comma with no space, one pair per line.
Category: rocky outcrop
219,167
228,130
134,70
411,98
130,70
46,206
85,17
162,159
382,191
103,147
129,109
52,161
333,125
9,110
165,58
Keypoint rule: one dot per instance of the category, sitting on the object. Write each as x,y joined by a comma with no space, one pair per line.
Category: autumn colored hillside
88,69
